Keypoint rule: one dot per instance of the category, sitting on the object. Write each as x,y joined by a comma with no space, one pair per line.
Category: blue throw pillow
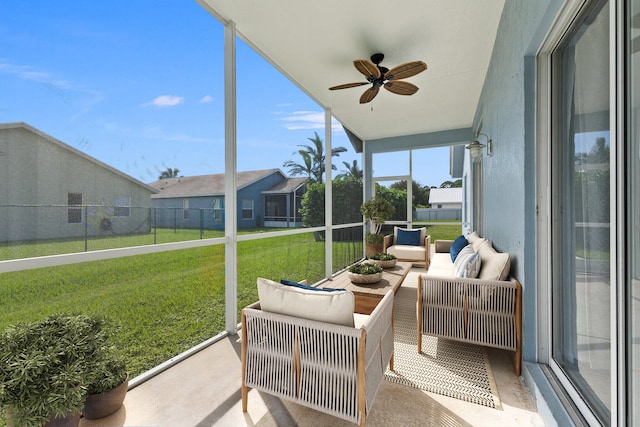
457,246
408,237
310,288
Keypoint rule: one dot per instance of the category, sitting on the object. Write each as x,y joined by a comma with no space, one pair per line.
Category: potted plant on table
376,211
365,273
383,260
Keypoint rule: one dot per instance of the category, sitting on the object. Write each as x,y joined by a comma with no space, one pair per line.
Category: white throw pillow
467,263
495,265
331,307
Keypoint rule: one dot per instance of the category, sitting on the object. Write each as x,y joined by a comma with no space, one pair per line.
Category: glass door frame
545,118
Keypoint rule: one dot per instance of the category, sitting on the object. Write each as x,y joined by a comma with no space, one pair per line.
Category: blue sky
139,86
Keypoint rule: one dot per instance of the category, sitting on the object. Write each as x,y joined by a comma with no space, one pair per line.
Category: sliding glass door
581,223
632,156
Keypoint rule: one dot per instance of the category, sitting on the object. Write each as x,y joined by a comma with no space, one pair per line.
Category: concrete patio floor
204,390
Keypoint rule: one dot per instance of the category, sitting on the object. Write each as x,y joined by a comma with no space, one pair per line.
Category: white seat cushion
409,252
331,307
440,265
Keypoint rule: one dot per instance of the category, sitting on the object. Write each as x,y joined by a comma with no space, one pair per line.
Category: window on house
122,206
218,208
74,211
247,209
185,209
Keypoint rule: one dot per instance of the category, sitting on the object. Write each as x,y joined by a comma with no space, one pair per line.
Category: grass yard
166,302
441,231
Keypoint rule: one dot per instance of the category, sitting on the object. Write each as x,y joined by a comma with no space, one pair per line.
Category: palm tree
313,158
352,171
306,168
169,173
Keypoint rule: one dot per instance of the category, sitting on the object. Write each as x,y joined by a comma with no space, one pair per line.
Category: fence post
86,229
201,224
155,225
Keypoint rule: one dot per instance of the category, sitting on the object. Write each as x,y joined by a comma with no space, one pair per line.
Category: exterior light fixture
475,148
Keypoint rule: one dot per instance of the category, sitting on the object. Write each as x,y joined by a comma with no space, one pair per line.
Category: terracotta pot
372,248
72,419
104,404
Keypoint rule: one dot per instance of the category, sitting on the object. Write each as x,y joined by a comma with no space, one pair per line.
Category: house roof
445,195
206,185
287,186
314,45
54,141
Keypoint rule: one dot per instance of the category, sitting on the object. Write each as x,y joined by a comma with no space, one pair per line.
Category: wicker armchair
419,253
332,368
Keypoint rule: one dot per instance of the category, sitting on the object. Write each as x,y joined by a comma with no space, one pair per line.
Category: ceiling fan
379,76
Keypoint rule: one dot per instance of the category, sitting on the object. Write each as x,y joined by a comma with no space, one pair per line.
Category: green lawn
165,302
442,231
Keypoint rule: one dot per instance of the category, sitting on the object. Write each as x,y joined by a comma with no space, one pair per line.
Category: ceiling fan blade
369,94
401,88
405,70
367,68
348,85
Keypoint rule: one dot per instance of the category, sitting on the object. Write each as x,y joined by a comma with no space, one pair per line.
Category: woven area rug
446,367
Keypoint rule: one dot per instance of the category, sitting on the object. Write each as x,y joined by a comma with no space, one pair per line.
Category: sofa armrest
379,345
427,247
443,246
387,243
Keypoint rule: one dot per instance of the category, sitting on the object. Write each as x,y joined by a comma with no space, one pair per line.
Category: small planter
383,260
384,264
364,273
102,405
364,278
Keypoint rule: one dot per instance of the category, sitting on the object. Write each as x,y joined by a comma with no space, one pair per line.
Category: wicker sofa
486,310
310,348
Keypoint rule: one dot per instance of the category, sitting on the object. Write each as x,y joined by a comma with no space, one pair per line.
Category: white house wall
35,171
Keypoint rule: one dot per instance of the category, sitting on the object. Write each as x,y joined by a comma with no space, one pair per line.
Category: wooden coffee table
368,296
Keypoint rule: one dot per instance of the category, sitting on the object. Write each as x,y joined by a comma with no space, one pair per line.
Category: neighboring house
265,198
446,204
445,198
52,190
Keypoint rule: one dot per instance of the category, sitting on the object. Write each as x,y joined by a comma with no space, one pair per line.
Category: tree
452,184
352,171
345,191
169,173
313,160
420,193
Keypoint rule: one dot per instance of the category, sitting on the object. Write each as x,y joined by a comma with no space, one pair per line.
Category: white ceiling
314,43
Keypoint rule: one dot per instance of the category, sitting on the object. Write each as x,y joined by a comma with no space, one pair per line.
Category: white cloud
307,120
206,99
165,101
26,72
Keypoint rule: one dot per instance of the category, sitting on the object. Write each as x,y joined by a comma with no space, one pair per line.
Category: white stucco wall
34,170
